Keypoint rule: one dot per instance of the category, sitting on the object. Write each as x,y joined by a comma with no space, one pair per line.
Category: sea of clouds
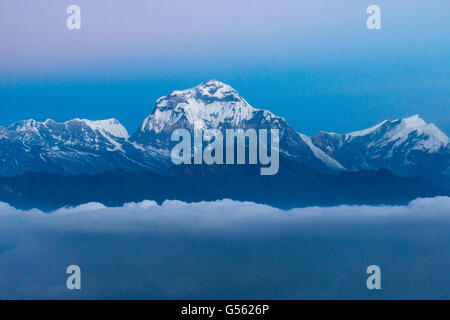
226,249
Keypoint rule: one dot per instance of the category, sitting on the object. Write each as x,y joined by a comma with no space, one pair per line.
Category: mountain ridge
296,186
408,147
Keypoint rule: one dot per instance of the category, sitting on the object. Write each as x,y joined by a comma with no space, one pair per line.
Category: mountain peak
213,83
208,92
216,105
216,89
407,130
428,136
110,126
209,105
405,125
23,125
414,121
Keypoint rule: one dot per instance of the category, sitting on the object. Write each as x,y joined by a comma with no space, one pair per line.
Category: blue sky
315,63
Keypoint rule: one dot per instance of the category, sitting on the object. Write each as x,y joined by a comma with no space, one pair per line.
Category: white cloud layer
226,249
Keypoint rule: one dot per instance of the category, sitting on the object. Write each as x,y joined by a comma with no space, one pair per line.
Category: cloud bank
226,249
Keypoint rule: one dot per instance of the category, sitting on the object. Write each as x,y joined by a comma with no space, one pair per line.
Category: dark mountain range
295,186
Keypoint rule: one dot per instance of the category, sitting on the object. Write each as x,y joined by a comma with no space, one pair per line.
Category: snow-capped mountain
75,146
216,105
409,147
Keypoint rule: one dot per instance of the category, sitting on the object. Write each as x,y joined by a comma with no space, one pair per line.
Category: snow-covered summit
22,126
412,123
409,146
215,89
72,147
216,105
413,131
109,126
212,89
106,134
427,136
212,104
